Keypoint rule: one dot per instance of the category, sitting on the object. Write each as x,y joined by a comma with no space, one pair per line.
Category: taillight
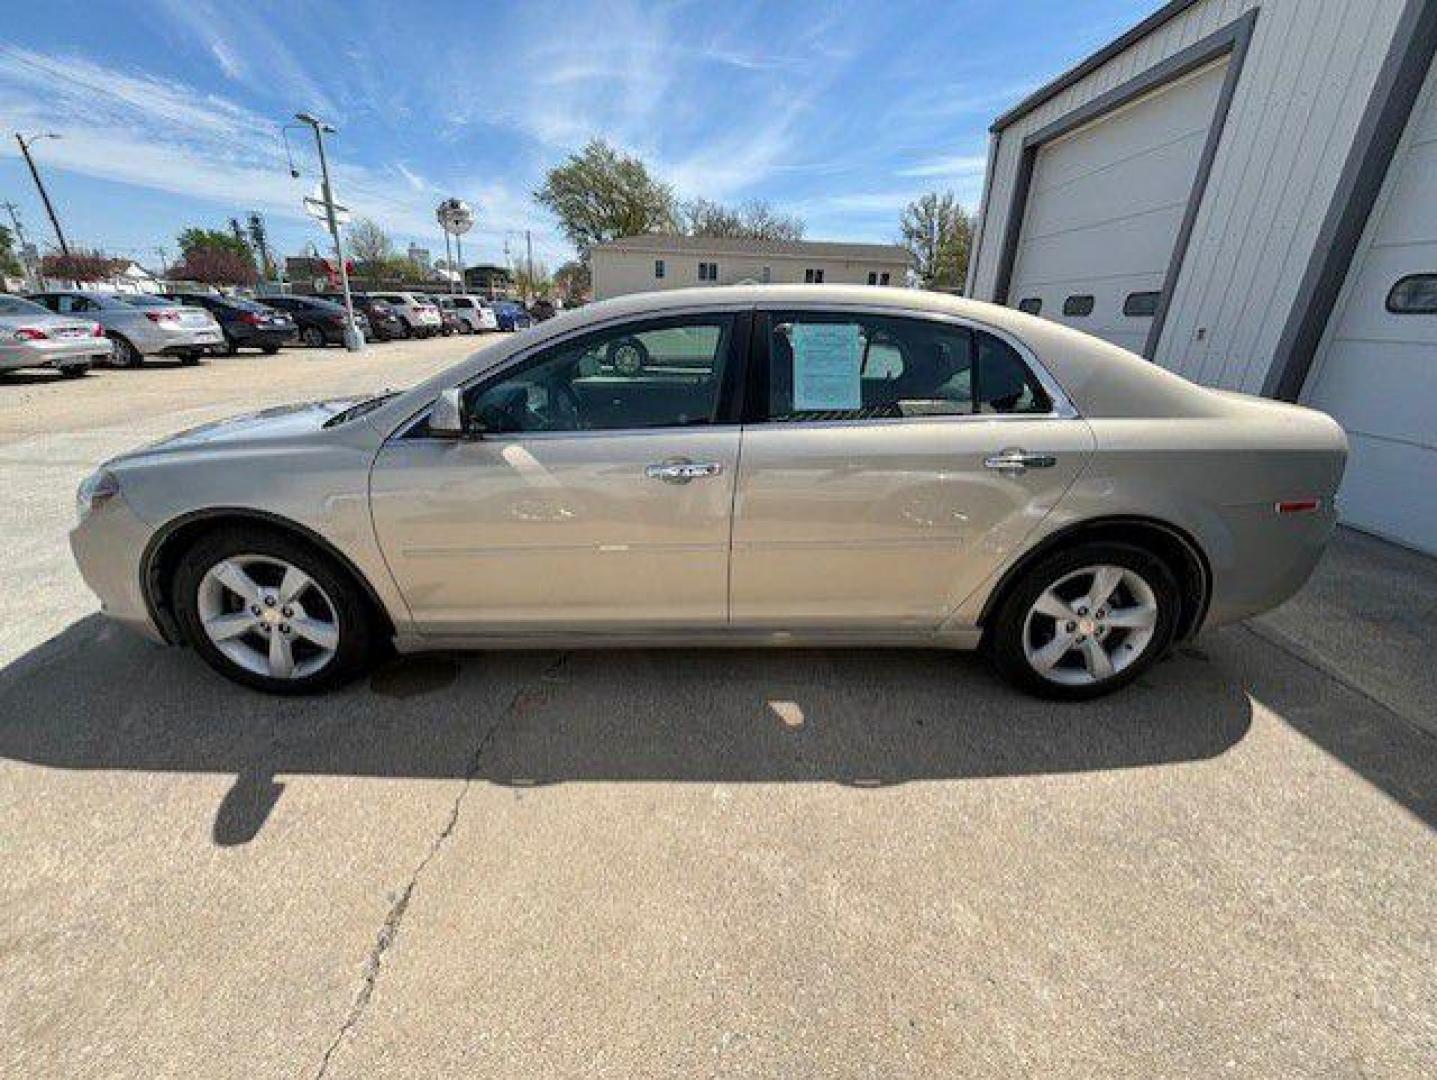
250,318
163,316
30,333
97,331
339,320
1298,506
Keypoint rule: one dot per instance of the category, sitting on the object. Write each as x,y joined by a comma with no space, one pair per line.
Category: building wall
1309,72
617,273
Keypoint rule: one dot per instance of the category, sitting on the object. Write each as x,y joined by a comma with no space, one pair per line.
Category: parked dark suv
384,321
320,321
246,324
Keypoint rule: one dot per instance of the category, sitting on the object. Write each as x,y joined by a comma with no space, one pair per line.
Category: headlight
94,490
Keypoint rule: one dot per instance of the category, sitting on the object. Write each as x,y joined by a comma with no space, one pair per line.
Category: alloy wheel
1089,625
268,616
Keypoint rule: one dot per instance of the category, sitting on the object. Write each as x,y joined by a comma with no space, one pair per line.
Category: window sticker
826,363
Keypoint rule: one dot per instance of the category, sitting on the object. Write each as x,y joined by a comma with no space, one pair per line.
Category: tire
332,604
126,355
269,350
628,356
314,337
405,330
191,358
1024,643
74,371
230,347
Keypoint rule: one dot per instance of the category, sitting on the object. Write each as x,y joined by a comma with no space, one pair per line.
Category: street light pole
44,195
352,339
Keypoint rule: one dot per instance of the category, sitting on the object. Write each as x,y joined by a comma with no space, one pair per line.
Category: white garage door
1104,208
1377,368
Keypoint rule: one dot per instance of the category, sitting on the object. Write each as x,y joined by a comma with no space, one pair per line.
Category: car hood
267,425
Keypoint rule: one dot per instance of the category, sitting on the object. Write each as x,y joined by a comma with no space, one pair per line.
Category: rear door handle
681,471
1016,461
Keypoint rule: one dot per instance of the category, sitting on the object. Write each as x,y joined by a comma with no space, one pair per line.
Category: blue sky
839,112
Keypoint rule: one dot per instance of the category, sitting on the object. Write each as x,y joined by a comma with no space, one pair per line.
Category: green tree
938,233
9,262
572,282
600,194
537,283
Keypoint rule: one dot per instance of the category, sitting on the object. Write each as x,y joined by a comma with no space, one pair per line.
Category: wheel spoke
323,634
224,627
234,578
295,582
281,656
1141,617
1105,580
1046,657
1096,659
1055,607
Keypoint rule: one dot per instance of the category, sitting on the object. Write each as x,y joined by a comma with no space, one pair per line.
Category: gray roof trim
1378,135
666,244
1082,70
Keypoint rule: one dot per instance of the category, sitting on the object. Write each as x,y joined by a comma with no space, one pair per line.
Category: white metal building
1245,191
652,262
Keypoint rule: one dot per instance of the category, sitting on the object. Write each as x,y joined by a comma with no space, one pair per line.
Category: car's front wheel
1085,621
271,612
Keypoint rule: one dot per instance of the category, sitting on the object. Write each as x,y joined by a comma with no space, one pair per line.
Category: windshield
13,305
145,300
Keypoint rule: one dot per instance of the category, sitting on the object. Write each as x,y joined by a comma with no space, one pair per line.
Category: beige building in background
634,264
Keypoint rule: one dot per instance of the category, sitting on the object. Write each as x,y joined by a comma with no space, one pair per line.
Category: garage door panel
1106,202
1382,388
1176,110
1414,198
1391,489
1135,247
1167,174
1366,318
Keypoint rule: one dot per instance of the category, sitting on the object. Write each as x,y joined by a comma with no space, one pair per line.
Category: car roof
1101,379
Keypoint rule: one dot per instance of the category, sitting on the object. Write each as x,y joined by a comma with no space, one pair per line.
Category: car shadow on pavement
97,697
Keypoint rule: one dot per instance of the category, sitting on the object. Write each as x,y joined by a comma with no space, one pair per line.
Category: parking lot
784,863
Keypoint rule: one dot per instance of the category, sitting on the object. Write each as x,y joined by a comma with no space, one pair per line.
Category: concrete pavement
803,863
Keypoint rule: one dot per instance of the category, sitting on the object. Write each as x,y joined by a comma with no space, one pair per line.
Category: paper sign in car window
826,366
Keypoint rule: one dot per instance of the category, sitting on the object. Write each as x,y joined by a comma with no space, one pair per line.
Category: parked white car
32,337
420,318
139,325
474,312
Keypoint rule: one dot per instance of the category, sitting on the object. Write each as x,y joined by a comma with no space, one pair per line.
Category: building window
767,274
1141,304
883,278
1416,294
872,277
708,271
658,268
1080,304
1031,305
813,276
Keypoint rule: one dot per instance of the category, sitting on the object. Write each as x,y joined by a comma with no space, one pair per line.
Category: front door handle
1016,461
681,470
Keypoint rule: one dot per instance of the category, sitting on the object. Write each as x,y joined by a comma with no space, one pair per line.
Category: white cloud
952,165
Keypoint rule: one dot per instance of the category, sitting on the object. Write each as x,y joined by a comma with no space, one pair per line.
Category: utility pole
352,339
32,280
529,279
44,195
164,260
261,241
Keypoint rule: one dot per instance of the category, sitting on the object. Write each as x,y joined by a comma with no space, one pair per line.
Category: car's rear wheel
1085,621
191,356
126,355
269,350
74,371
313,336
271,612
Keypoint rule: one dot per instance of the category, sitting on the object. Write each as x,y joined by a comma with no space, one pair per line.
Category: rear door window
826,367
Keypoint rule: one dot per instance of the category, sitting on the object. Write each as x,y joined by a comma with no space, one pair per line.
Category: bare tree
754,220
369,245
938,233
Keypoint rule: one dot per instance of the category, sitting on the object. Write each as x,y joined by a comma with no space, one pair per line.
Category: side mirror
449,419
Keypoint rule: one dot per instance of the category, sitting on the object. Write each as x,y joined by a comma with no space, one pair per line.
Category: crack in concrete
524,698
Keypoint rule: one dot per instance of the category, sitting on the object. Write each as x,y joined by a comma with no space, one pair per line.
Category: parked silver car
742,466
33,337
141,326
476,313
